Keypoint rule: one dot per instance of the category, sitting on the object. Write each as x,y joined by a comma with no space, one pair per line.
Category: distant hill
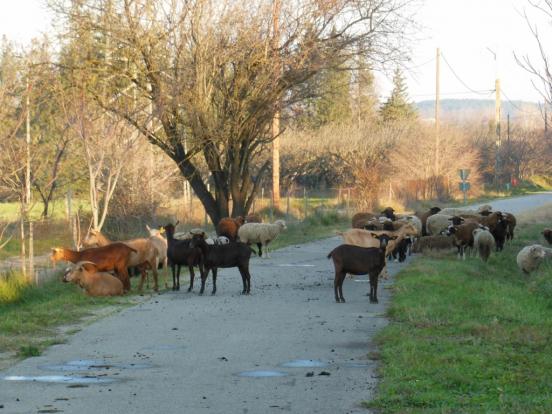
481,110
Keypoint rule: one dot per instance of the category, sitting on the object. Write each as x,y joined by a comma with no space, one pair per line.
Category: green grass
469,337
317,226
10,211
30,315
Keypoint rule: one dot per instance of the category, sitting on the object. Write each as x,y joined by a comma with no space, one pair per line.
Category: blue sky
463,29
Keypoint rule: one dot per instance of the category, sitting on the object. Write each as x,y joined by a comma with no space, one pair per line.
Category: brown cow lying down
86,275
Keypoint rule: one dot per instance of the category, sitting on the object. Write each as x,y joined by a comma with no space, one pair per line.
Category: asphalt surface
183,353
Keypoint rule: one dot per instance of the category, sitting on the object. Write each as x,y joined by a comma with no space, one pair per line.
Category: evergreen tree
397,107
334,104
366,99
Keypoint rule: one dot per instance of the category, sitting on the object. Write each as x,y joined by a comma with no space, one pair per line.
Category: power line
422,64
481,92
489,91
517,107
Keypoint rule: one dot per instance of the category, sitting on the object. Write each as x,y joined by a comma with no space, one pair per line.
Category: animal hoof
213,293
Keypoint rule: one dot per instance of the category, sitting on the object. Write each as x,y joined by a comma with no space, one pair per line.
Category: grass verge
469,337
30,316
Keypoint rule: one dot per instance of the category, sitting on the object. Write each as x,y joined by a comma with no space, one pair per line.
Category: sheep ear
148,228
374,235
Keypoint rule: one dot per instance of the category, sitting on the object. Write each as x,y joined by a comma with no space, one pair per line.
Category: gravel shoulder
191,348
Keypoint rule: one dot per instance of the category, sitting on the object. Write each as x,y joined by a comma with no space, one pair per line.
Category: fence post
348,202
287,206
305,202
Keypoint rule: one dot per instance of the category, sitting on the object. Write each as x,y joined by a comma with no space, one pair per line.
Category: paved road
191,348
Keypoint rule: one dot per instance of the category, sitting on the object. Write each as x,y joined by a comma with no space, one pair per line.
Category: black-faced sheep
463,237
389,212
261,234
437,223
483,243
359,220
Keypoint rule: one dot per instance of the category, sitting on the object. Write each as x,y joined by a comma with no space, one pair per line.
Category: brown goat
113,257
86,275
144,256
547,233
359,220
229,227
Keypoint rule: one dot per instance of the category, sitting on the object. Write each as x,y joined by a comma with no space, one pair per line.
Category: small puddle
261,374
304,363
92,365
60,379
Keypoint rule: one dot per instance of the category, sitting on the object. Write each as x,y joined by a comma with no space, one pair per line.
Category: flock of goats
102,268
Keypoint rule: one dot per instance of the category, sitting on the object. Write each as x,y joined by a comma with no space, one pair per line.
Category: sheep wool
530,257
483,243
261,233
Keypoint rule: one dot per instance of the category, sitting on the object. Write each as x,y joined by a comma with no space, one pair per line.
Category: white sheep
530,257
483,243
437,223
261,234
413,220
485,208
185,235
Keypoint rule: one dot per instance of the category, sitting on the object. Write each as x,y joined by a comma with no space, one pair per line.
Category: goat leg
214,281
192,276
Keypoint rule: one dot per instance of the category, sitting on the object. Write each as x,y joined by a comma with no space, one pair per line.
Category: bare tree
207,70
542,70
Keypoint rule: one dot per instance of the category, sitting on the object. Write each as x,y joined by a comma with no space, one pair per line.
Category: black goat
181,253
235,254
357,260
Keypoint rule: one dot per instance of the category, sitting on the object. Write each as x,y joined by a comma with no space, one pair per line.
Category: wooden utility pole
437,112
276,119
497,122
28,183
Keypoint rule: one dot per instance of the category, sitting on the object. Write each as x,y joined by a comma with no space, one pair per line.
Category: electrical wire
515,106
489,91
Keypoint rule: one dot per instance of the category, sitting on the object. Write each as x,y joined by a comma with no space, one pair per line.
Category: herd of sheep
483,231
102,267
